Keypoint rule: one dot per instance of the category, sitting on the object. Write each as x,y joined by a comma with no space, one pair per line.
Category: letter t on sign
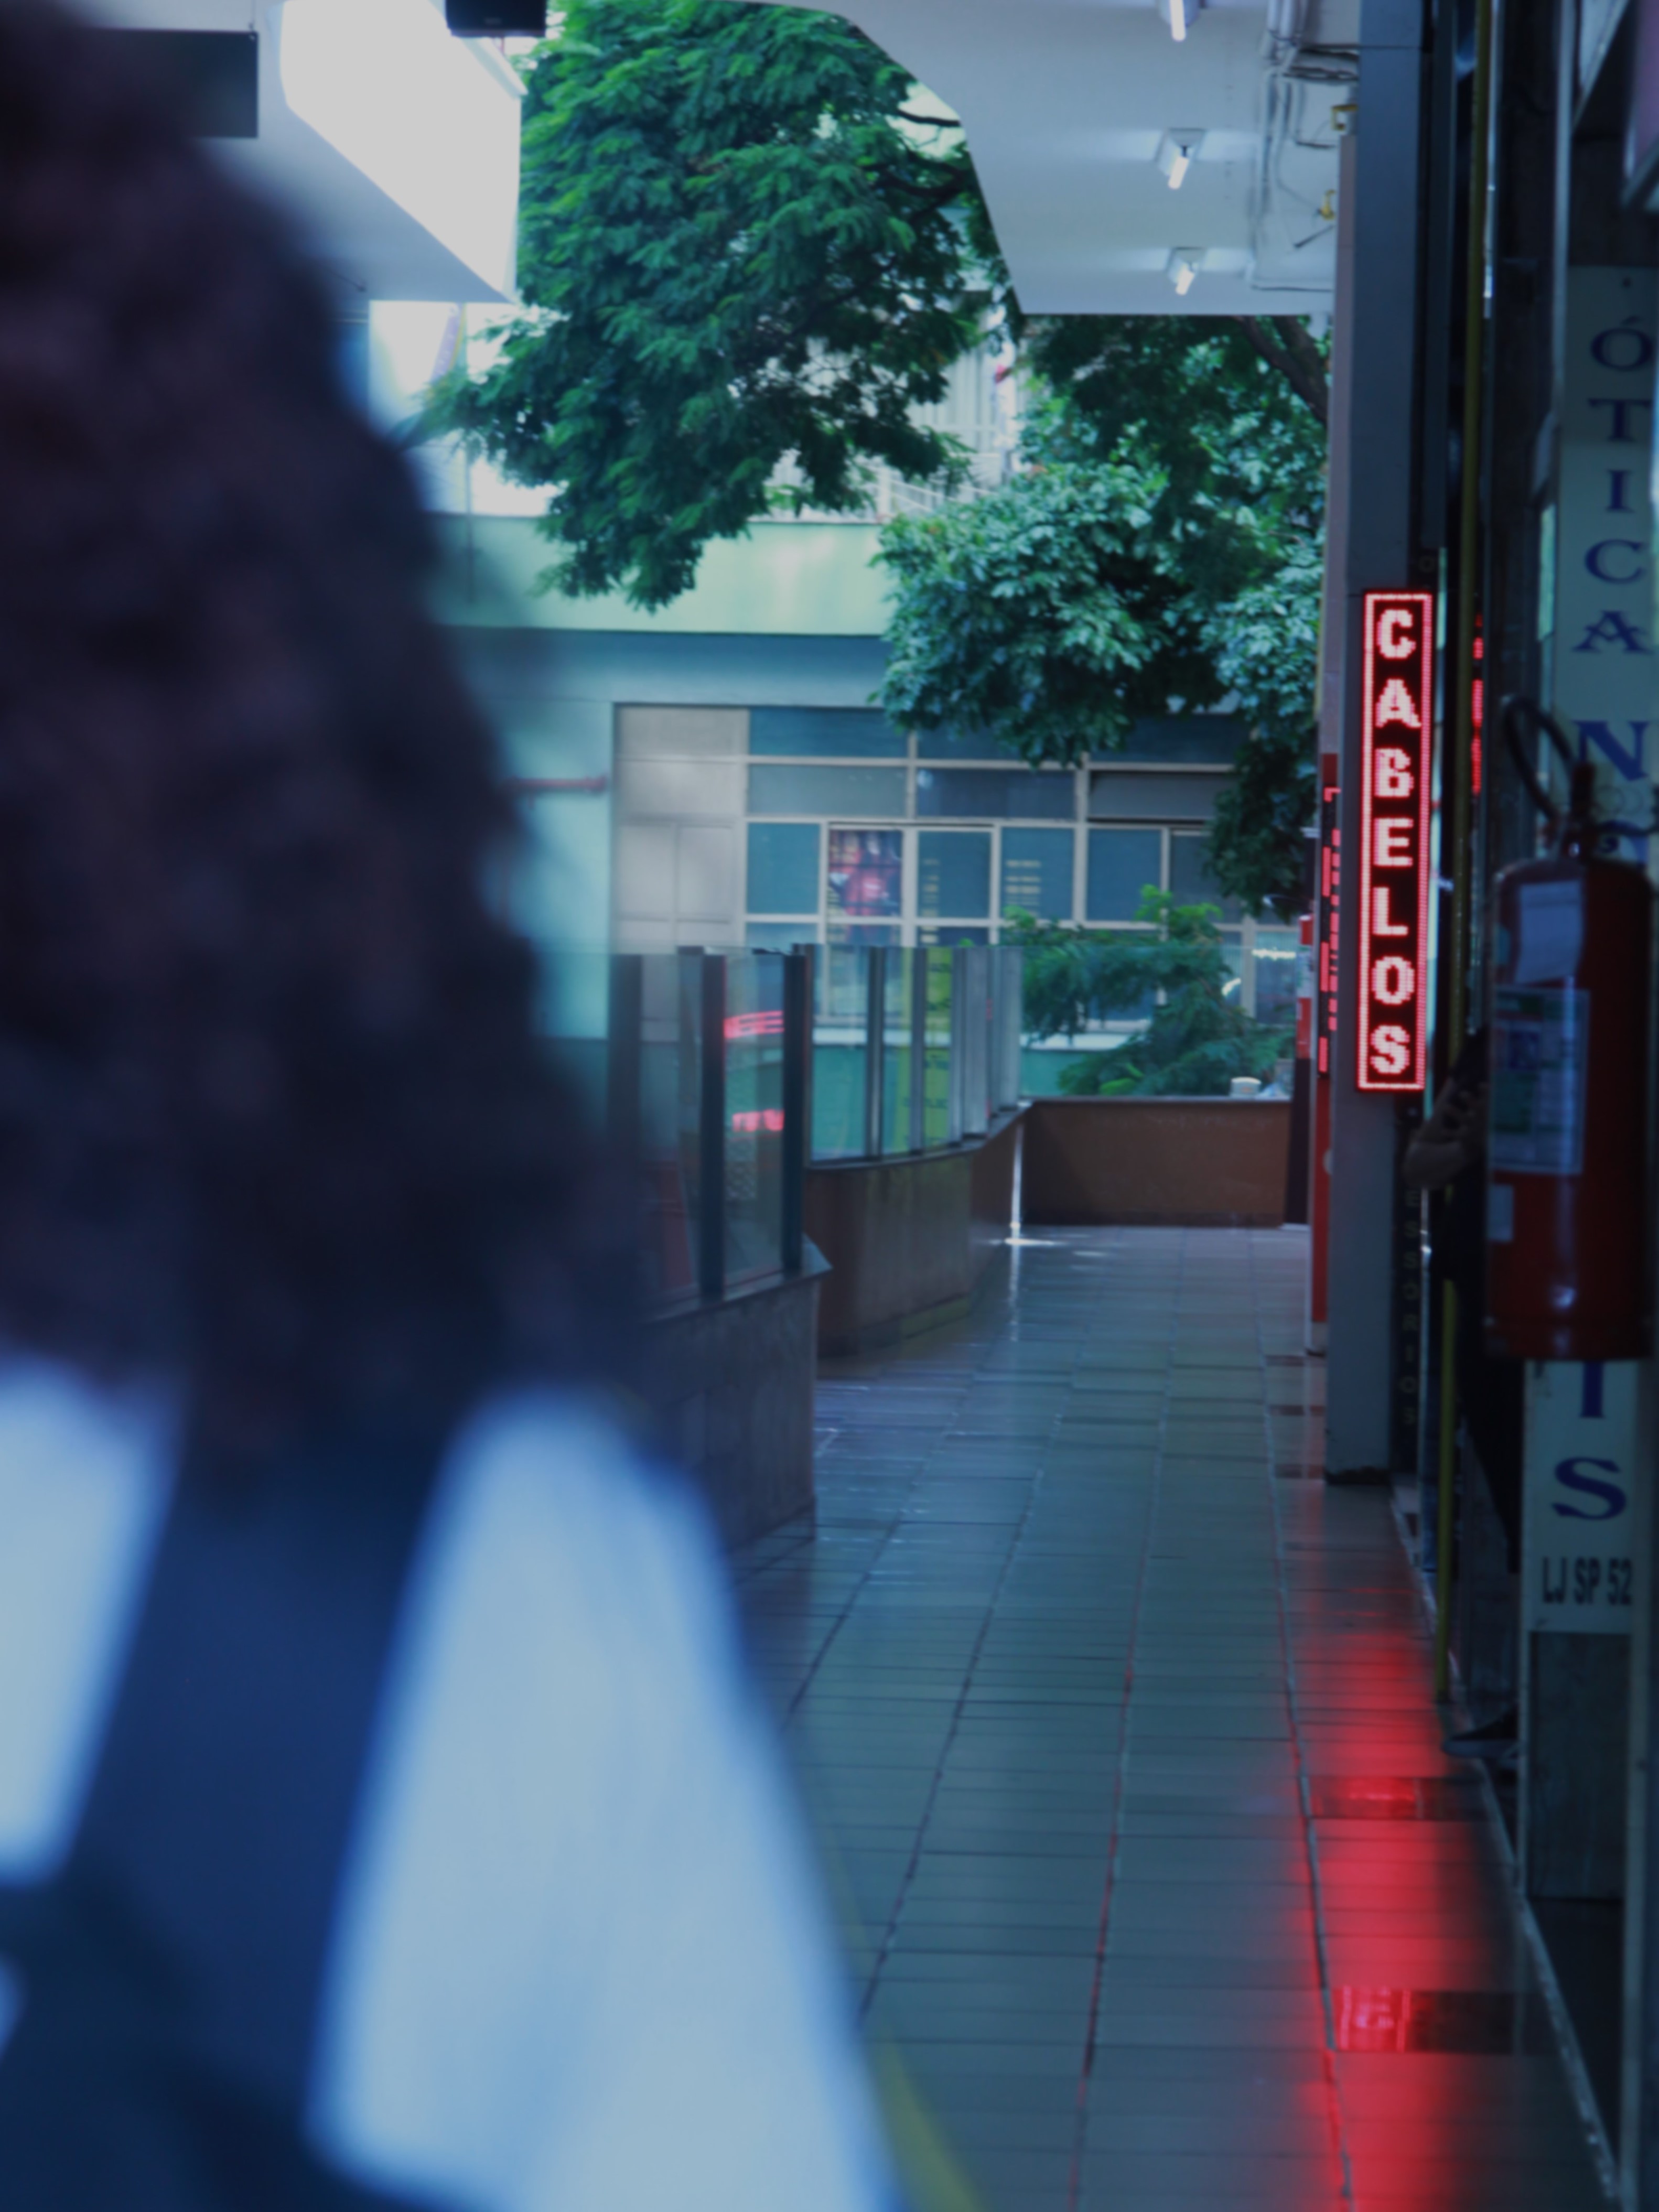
1393,905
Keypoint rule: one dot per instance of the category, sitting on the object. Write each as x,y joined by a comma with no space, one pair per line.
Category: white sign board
1577,1532
1606,673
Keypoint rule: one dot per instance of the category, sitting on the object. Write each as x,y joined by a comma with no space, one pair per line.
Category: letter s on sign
1610,1498
1390,643
1391,1049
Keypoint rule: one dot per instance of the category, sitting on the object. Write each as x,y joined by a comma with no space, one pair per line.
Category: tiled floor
1116,1722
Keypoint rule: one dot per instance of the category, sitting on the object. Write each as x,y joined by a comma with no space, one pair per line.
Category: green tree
1196,1039
740,248
1044,612
1200,468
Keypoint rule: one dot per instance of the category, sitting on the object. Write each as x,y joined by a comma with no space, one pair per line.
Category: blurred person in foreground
383,1816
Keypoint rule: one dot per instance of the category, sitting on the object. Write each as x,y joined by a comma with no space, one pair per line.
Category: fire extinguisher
1567,1117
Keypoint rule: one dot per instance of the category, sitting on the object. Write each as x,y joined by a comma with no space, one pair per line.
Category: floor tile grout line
1085,2072
896,1913
845,1613
1309,1840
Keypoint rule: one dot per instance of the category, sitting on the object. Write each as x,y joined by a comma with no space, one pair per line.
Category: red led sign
1394,851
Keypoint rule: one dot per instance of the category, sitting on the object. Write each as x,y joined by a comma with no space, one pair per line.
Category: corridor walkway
1117,1727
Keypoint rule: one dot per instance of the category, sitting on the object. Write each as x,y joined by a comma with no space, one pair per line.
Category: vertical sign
1603,665
1577,1539
1393,851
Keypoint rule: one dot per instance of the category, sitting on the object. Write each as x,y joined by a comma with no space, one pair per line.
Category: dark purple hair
273,1115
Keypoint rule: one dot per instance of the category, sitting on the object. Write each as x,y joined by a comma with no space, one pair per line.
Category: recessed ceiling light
1176,154
1184,264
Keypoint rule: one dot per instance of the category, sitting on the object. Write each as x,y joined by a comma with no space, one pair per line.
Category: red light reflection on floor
1372,2020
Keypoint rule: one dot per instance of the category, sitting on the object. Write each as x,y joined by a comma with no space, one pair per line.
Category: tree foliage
1196,1039
1044,612
736,251
1201,468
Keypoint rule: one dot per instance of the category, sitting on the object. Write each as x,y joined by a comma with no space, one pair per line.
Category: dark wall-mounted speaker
497,19
209,79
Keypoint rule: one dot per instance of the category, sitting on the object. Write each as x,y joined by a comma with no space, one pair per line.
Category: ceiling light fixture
1184,264
1176,154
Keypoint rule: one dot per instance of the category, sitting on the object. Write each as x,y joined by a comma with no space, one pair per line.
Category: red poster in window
1394,850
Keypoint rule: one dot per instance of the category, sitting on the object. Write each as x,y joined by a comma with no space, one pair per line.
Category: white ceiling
1065,103
392,146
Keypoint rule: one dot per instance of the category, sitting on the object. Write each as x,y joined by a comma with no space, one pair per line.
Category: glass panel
1190,881
953,932
783,867
953,871
970,744
936,1095
1036,872
975,1032
839,1053
863,933
689,1100
754,1115
1199,738
1010,963
866,875
826,791
896,1054
842,732
1122,863
1277,951
669,1228
780,936
1126,794
989,793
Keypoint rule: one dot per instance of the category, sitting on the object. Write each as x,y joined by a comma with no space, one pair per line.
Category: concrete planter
1152,1162
731,1385
908,1238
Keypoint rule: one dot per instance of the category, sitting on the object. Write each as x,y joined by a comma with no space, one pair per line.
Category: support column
1373,476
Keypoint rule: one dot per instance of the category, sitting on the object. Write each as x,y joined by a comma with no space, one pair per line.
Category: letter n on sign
1393,851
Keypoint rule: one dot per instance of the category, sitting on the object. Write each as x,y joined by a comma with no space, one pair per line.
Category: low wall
908,1239
1157,1161
731,1385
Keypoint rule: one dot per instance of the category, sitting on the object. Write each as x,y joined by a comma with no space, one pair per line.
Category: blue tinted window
1121,864
783,867
969,744
826,791
995,793
1036,872
953,871
829,732
1191,883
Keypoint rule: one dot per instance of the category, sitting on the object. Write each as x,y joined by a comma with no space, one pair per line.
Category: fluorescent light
1177,151
1184,264
1182,13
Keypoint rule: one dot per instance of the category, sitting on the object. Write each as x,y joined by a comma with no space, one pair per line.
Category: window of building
969,744
996,794
844,791
954,873
865,878
1036,872
1122,863
825,732
1190,881
783,867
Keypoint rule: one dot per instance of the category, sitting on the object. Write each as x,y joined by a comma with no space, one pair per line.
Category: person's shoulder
561,1478
565,1565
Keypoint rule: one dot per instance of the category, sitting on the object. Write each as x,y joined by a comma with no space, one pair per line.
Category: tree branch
1284,343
